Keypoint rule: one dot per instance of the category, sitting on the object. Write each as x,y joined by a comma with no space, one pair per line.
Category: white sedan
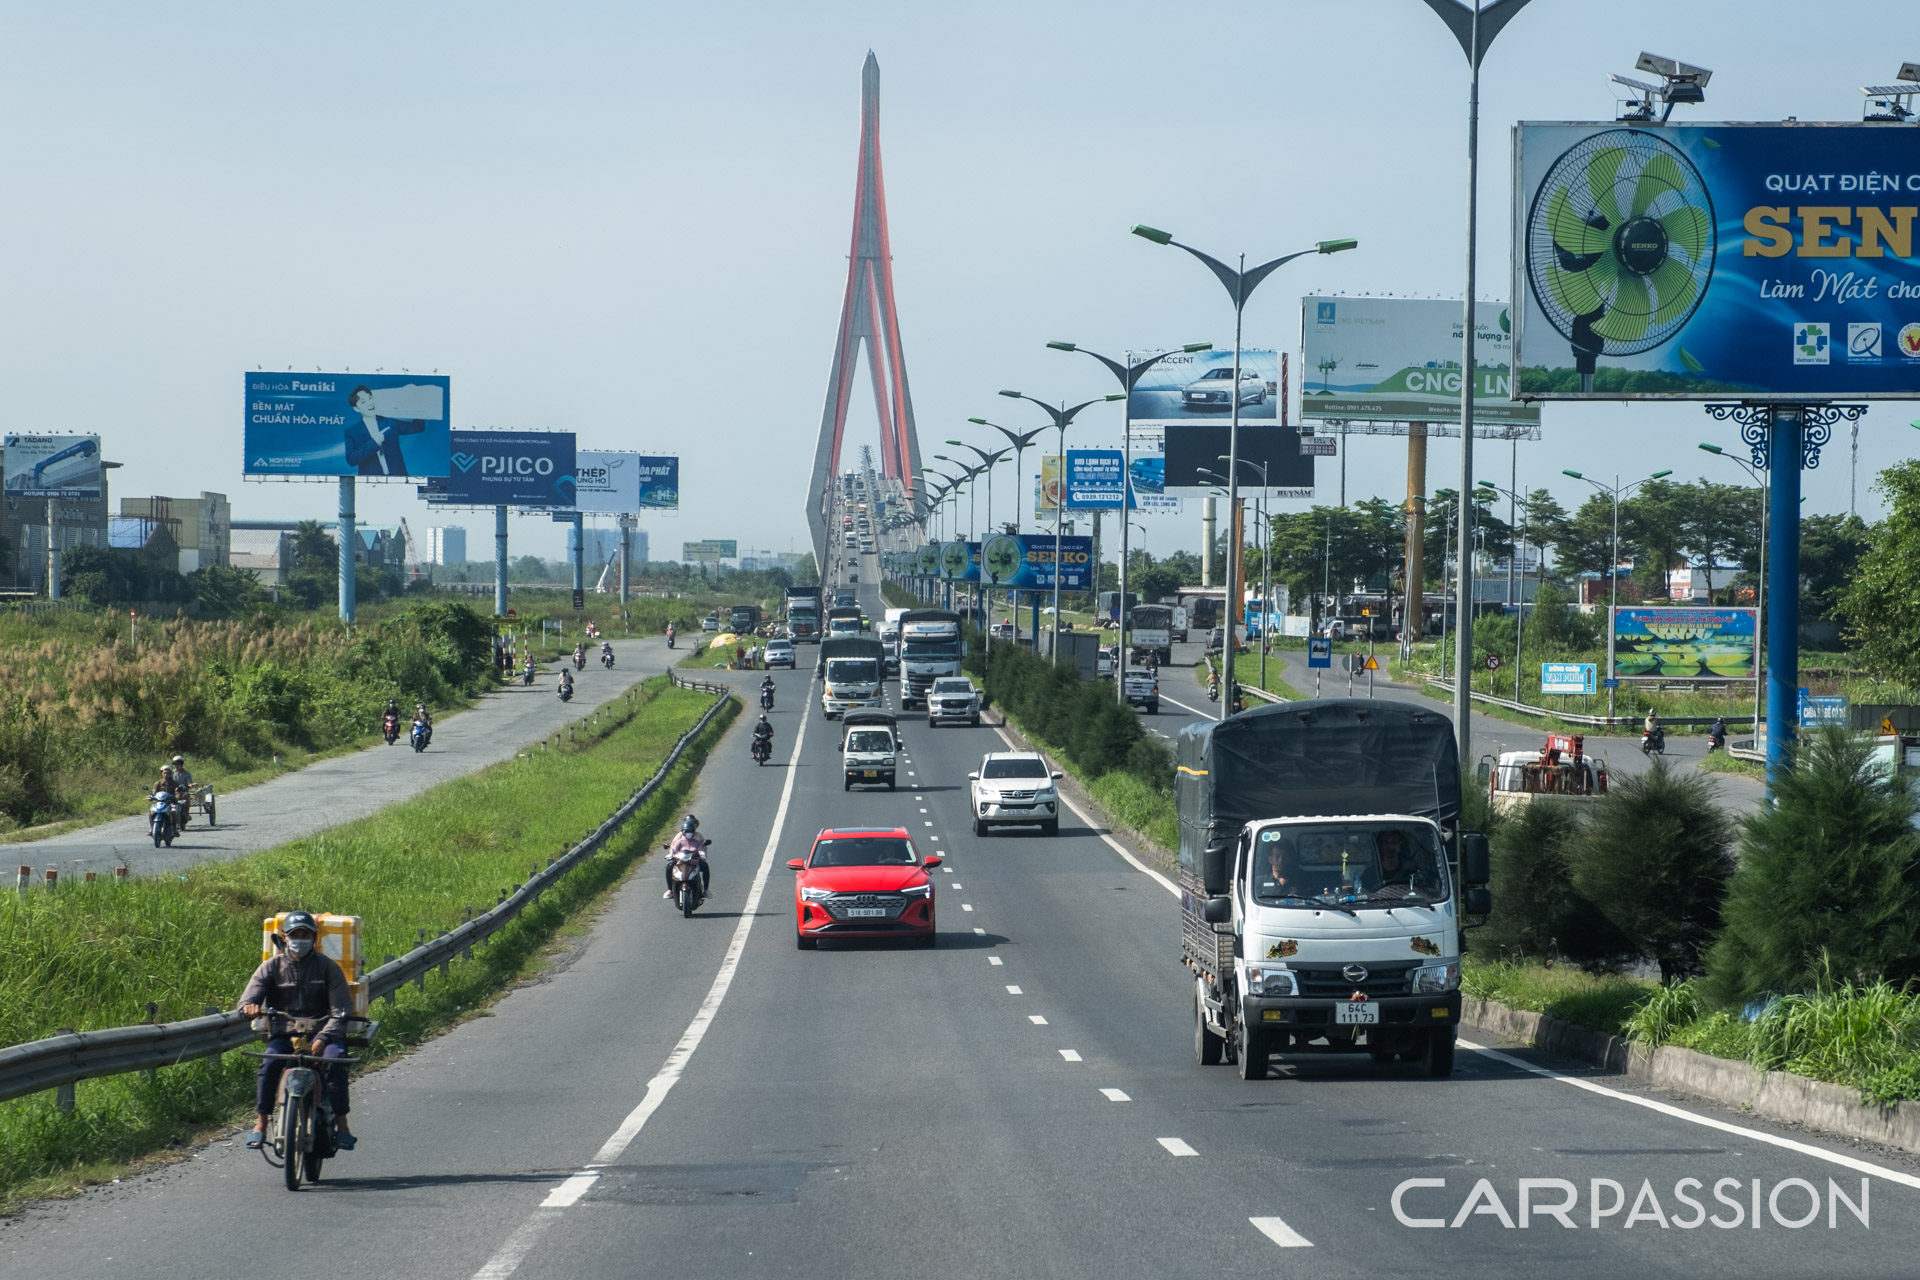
1212,389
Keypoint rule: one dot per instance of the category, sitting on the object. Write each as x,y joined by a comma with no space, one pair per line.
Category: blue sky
630,220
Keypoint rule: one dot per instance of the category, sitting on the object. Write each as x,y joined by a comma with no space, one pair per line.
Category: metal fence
59,1061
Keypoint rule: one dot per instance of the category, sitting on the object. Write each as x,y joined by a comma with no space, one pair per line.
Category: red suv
863,882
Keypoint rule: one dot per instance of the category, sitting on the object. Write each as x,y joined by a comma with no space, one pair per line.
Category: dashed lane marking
1115,1095
1014,991
1280,1233
1036,1020
993,960
1176,1147
966,906
1071,1055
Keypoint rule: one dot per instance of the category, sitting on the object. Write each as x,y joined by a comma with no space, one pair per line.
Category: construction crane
410,555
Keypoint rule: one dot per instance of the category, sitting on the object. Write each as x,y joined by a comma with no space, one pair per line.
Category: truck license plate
1356,1013
863,913
868,773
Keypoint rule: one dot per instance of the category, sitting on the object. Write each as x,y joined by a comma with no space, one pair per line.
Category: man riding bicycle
301,982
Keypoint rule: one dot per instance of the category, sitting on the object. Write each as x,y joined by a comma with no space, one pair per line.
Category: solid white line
1036,1020
1176,1147
1666,1109
1117,847
1280,1233
1013,990
509,1256
569,1192
1071,1055
993,959
1115,1095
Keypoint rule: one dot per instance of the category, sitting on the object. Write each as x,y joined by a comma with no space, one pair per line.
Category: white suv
1014,786
953,700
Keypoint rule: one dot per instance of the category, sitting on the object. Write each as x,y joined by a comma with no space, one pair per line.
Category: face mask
300,946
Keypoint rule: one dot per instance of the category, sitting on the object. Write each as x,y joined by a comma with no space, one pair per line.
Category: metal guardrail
73,1056
1575,718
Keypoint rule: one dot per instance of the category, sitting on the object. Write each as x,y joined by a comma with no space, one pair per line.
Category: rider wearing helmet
689,841
763,732
301,982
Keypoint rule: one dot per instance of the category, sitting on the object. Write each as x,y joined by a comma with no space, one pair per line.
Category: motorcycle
301,1132
688,892
1213,691
160,819
579,660
669,639
1653,742
526,675
766,697
566,691
420,735
606,659
390,728
761,749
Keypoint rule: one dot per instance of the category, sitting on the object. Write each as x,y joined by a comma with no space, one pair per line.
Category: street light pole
1240,283
1617,492
1760,587
1129,376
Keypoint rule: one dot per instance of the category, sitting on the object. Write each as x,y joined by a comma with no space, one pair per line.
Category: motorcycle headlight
808,894
1436,977
1268,981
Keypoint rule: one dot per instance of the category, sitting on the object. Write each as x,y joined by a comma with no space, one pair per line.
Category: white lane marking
910,774
993,959
923,811
568,1193
1036,1020
920,798
958,885
507,1259
981,932
926,824
1013,990
1204,715
1280,1233
948,870
1115,1095
1071,1055
1667,1109
966,906
1117,847
1176,1147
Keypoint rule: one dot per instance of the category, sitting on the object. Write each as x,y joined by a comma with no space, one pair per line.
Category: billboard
1193,449
53,466
1198,387
507,469
1149,471
605,480
960,561
926,560
1702,261
709,550
1094,479
1658,642
1567,677
659,482
1053,485
347,424
1398,360
1024,562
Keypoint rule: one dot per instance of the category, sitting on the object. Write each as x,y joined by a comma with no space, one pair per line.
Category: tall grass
94,955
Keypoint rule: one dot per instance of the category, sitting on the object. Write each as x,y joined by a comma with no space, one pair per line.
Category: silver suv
953,700
1014,787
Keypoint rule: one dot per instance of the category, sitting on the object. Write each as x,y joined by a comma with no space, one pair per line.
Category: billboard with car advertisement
1656,642
1199,387
1398,360
1024,562
62,466
1702,261
380,426
507,469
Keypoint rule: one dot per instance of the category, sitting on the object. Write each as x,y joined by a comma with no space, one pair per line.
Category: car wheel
1252,1046
932,723
846,784
979,827
803,943
1153,708
929,942
976,722
1440,1052
1208,1048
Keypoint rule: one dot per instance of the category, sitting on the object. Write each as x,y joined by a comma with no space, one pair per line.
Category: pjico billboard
508,469
1398,360
347,424
1704,261
53,467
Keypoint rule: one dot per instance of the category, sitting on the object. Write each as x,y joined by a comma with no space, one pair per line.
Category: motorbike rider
766,689
580,655
763,733
301,982
1717,734
606,651
689,841
165,787
1651,727
390,714
527,670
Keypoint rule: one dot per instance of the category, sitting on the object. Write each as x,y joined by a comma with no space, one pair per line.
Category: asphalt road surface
351,786
695,1098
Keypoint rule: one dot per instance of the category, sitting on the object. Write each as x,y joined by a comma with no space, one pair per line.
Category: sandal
255,1141
345,1141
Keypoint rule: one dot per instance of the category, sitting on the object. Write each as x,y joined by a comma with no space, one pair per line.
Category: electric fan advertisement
1694,262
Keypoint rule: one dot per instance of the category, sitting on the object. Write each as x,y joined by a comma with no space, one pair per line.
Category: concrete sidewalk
341,789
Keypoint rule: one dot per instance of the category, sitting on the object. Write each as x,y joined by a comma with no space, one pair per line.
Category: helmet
299,920
689,823
179,759
763,717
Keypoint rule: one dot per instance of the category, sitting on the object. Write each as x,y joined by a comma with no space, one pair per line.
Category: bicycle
300,1132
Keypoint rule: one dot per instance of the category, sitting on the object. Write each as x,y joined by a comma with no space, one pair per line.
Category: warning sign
1371,664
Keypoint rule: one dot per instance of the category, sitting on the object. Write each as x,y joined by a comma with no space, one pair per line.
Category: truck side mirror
1217,910
1479,901
1482,772
1476,864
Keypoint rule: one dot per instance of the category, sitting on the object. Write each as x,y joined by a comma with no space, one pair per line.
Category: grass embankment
1246,670
92,956
1721,762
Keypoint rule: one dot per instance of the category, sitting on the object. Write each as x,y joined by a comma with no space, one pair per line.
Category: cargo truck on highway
1323,881
1150,631
930,647
851,674
803,614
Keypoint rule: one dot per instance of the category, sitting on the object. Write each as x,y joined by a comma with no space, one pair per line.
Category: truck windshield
1363,864
870,740
947,648
853,671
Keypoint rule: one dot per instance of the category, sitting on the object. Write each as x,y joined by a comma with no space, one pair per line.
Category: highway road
342,788
697,1098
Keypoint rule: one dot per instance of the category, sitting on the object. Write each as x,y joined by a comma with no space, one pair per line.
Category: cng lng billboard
1398,360
1703,261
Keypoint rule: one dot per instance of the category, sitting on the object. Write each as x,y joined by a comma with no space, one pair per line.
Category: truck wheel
1153,708
1440,1052
1207,1047
1252,1046
976,722
846,784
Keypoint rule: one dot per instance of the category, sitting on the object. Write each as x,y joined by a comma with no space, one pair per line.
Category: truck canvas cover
1308,759
850,647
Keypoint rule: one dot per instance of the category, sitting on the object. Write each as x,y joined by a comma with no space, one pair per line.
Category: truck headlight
1271,982
1436,977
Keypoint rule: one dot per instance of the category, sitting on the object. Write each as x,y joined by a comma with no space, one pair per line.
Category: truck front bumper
1318,1016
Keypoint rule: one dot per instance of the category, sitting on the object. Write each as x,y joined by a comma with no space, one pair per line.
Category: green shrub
1536,909
1827,879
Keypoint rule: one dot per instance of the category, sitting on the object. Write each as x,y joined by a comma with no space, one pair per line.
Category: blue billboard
1024,562
347,424
1703,261
1095,479
507,469
960,561
659,483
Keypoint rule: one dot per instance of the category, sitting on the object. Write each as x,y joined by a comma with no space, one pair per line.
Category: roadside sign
1886,727
1372,664
1611,682
1567,677
579,598
1319,653
1827,710
1493,662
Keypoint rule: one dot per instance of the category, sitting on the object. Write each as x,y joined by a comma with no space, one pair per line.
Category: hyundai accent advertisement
1200,386
508,469
1703,261
381,426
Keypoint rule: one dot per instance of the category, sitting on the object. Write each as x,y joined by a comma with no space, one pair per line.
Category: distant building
201,527
599,546
447,544
265,553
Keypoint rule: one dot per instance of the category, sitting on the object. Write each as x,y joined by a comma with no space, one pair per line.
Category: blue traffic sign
1319,653
1610,683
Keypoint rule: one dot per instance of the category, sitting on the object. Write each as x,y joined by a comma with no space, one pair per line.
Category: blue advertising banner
1700,261
1677,643
1094,479
508,468
347,424
960,561
1024,562
1568,677
659,483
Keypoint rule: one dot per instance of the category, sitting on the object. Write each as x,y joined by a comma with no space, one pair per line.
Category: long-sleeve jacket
313,986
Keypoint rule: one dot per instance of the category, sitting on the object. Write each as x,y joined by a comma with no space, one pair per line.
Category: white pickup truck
1143,689
952,700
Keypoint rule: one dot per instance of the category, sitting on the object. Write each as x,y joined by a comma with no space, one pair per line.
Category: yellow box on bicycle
339,940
